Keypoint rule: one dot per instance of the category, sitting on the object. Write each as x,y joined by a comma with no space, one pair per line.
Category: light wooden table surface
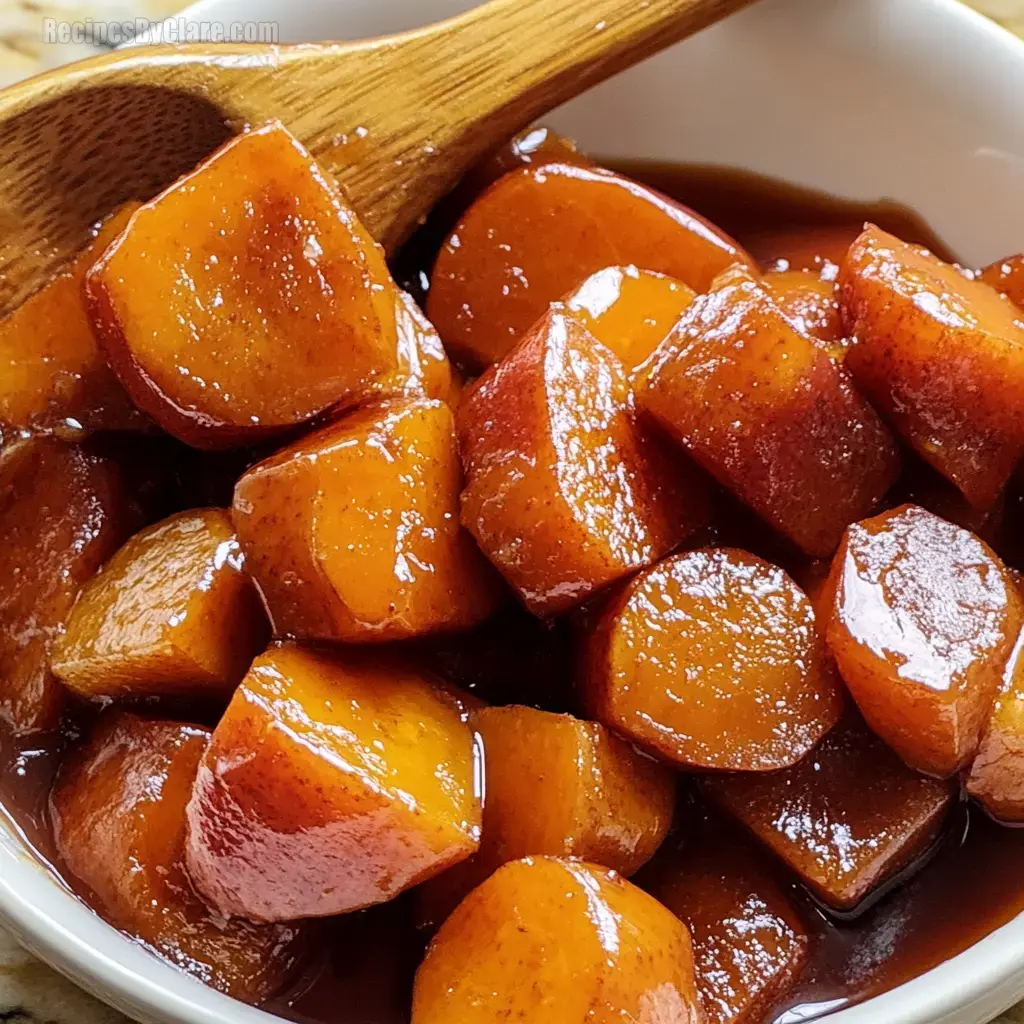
29,992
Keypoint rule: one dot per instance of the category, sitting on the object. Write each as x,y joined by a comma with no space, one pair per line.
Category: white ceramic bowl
921,101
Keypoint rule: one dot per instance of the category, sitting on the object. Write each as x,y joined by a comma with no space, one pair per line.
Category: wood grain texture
397,119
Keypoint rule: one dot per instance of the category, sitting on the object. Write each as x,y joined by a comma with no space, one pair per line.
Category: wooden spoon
397,119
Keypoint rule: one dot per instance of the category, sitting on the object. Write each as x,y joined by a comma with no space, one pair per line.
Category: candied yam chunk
63,512
537,233
53,376
996,777
923,621
771,416
118,810
564,492
547,939
712,659
423,366
629,311
941,357
1007,277
171,613
353,532
559,785
812,305
242,301
556,786
333,782
421,363
749,943
846,819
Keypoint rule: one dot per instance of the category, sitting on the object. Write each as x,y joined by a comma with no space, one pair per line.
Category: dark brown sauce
362,972
973,885
748,206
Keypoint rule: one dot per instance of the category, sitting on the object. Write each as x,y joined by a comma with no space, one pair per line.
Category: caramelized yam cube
941,356
421,363
996,778
331,783
769,414
242,301
816,250
119,821
749,943
53,374
629,311
564,493
171,613
423,366
812,305
846,819
1007,277
556,785
63,512
353,532
536,234
923,620
712,659
547,939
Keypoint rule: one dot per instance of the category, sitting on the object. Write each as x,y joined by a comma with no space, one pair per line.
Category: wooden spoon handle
488,73
545,52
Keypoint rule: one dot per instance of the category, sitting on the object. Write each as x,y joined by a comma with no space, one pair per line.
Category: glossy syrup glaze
955,889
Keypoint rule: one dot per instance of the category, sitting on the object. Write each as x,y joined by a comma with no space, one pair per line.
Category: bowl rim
62,931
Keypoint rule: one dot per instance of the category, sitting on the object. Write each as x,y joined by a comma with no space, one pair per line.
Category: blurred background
23,52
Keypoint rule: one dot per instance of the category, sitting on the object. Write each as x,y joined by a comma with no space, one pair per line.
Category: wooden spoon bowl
396,119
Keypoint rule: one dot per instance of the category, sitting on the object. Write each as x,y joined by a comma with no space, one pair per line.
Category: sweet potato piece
940,356
817,250
769,414
749,943
333,782
423,366
565,493
171,613
846,819
629,311
421,363
554,786
353,532
812,304
63,512
119,819
547,939
241,301
996,778
1007,277
712,659
54,376
923,620
538,232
